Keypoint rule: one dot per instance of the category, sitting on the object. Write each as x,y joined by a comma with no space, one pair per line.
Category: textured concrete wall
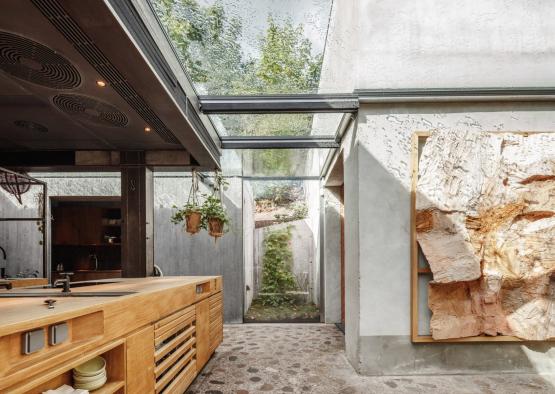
423,44
377,219
433,43
178,253
332,256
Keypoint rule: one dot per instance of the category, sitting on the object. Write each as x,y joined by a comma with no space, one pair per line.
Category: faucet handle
66,274
50,303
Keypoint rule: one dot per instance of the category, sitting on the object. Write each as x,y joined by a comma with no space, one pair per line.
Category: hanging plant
191,213
214,215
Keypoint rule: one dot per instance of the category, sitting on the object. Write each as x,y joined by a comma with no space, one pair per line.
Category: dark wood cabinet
86,238
76,225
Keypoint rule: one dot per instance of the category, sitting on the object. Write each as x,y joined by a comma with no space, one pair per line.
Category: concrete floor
309,358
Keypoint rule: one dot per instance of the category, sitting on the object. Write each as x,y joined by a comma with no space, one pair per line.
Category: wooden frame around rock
415,271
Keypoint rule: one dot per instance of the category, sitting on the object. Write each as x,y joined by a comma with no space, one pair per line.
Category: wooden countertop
21,314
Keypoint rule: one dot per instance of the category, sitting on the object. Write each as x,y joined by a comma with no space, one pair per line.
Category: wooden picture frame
416,271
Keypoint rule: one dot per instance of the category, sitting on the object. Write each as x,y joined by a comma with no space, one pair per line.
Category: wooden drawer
216,321
175,351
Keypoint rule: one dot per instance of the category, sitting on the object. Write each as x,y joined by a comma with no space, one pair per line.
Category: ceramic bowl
96,384
86,379
92,367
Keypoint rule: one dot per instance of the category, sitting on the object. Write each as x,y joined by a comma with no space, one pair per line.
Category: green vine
277,277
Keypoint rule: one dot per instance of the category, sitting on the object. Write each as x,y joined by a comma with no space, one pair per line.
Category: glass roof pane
237,47
282,162
300,124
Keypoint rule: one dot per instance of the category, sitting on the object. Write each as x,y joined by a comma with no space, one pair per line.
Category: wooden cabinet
140,365
155,343
77,225
175,351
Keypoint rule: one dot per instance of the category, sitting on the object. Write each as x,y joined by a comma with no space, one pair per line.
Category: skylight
238,47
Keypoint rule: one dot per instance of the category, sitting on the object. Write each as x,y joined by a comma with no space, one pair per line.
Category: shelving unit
113,353
81,230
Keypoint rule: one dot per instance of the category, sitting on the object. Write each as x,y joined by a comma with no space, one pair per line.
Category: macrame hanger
193,192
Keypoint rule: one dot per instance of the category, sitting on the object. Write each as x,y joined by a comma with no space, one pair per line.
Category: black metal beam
456,94
264,142
295,103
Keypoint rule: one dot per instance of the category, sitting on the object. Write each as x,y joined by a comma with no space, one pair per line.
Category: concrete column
332,255
137,194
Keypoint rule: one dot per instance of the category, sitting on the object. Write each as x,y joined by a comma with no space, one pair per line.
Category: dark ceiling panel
133,111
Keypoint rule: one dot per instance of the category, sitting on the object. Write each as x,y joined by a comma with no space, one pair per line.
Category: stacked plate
90,375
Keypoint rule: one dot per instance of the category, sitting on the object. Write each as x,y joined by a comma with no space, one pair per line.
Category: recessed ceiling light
101,83
147,129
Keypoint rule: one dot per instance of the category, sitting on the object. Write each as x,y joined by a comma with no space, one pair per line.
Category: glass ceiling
301,124
256,47
239,47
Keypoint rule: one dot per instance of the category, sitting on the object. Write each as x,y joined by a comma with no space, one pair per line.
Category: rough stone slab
486,224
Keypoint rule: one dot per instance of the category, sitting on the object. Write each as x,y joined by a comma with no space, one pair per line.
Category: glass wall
282,274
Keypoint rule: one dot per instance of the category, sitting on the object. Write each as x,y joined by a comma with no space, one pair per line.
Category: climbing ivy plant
277,277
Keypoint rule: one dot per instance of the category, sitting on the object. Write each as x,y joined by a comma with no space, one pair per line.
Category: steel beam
370,96
295,103
260,142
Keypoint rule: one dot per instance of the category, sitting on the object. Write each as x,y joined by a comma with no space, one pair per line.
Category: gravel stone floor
309,358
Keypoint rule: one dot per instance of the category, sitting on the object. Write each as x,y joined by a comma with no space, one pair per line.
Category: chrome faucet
65,282
4,252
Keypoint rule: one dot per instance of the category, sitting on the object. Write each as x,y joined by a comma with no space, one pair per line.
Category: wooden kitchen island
155,338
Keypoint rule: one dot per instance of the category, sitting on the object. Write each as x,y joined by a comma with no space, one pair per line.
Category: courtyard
310,358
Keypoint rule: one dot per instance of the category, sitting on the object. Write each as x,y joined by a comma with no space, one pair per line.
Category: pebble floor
310,358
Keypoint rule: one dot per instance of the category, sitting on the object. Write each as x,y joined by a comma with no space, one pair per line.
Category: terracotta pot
215,227
192,221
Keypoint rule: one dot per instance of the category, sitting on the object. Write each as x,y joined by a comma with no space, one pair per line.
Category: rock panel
486,223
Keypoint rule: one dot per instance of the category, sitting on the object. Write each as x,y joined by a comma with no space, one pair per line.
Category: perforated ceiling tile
33,62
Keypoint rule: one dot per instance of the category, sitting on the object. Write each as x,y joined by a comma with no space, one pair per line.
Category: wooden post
137,194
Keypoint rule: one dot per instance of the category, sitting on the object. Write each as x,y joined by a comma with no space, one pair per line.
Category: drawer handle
199,289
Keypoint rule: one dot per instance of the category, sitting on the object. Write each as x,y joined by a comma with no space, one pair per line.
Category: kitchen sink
52,294
75,284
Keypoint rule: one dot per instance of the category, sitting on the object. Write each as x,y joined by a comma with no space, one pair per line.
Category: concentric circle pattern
90,110
29,125
33,62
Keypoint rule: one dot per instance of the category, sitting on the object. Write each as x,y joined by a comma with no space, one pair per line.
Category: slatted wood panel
216,321
175,351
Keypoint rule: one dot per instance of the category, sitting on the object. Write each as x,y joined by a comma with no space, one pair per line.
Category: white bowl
91,368
86,379
96,384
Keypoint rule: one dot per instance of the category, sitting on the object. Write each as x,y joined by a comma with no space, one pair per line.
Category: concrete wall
377,220
423,44
434,43
179,253
21,240
332,256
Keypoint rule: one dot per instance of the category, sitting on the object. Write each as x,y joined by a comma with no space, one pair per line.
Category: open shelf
113,353
110,387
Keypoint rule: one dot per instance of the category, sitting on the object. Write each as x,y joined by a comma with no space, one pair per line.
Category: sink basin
75,284
50,294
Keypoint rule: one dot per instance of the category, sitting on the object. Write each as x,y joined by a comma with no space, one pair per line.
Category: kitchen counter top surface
22,313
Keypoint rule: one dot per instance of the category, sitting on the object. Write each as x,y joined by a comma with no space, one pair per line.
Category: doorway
86,237
283,269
